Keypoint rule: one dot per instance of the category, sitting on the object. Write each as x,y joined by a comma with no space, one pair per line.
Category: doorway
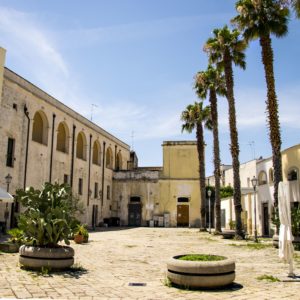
95,216
182,215
265,219
134,214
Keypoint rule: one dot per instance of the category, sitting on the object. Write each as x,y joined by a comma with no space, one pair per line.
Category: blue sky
136,59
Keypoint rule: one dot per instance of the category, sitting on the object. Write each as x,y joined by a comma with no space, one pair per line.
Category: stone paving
116,257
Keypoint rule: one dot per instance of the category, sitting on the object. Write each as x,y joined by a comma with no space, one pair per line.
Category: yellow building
179,186
162,196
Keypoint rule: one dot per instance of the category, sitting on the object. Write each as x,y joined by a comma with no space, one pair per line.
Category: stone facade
262,169
168,196
44,140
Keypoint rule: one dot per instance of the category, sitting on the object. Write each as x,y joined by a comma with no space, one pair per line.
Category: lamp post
8,179
254,181
209,213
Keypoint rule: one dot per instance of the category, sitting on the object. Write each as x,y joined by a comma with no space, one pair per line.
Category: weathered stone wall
141,182
18,93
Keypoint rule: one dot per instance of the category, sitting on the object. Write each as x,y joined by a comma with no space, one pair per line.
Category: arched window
119,161
81,146
62,142
293,174
96,153
271,176
109,158
40,128
262,178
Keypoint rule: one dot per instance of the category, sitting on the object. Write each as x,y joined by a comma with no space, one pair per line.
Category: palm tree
193,117
296,7
259,20
213,81
224,49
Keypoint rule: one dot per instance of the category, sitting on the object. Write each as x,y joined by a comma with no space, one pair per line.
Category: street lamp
209,214
8,179
254,182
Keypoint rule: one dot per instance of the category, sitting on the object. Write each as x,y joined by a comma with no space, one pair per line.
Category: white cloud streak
25,37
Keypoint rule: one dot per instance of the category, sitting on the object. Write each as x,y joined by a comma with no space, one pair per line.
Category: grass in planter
201,257
269,278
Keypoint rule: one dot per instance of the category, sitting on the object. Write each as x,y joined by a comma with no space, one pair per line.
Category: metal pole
6,212
255,229
209,214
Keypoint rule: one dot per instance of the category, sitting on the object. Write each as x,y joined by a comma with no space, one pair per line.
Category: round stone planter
201,274
52,258
296,241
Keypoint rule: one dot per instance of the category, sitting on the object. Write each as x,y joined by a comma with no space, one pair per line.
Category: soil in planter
201,257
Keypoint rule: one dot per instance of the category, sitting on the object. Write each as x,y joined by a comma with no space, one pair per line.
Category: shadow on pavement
229,288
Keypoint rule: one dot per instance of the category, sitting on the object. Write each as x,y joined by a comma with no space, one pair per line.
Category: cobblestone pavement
115,258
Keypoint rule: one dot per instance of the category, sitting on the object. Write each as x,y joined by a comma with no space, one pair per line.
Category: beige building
262,169
43,140
166,196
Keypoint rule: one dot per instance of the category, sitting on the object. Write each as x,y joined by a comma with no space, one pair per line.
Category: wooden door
134,214
265,219
182,215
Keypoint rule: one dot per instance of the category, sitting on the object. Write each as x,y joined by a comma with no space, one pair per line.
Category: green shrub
49,214
16,236
295,216
232,225
226,191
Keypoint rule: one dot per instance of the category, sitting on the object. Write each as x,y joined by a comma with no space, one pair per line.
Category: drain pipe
52,140
26,112
89,178
116,157
103,168
72,157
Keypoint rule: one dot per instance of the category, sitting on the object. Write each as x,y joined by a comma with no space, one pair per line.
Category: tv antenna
252,146
132,139
92,110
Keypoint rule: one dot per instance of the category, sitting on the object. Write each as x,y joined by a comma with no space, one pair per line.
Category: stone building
168,195
262,169
43,140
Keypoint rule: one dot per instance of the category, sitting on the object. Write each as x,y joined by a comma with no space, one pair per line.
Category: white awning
5,196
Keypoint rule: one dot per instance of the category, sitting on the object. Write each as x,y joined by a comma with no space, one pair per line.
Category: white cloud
139,30
251,108
25,38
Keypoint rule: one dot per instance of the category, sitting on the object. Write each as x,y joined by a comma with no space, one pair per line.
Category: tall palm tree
213,81
296,7
258,20
224,49
194,117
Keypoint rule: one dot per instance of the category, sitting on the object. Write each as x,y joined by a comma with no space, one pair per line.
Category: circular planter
296,241
52,258
201,274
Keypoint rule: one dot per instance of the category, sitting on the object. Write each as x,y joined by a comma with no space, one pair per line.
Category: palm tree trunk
234,148
200,148
272,112
214,117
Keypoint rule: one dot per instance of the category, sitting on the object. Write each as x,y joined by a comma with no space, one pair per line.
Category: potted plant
201,270
81,234
46,223
13,244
